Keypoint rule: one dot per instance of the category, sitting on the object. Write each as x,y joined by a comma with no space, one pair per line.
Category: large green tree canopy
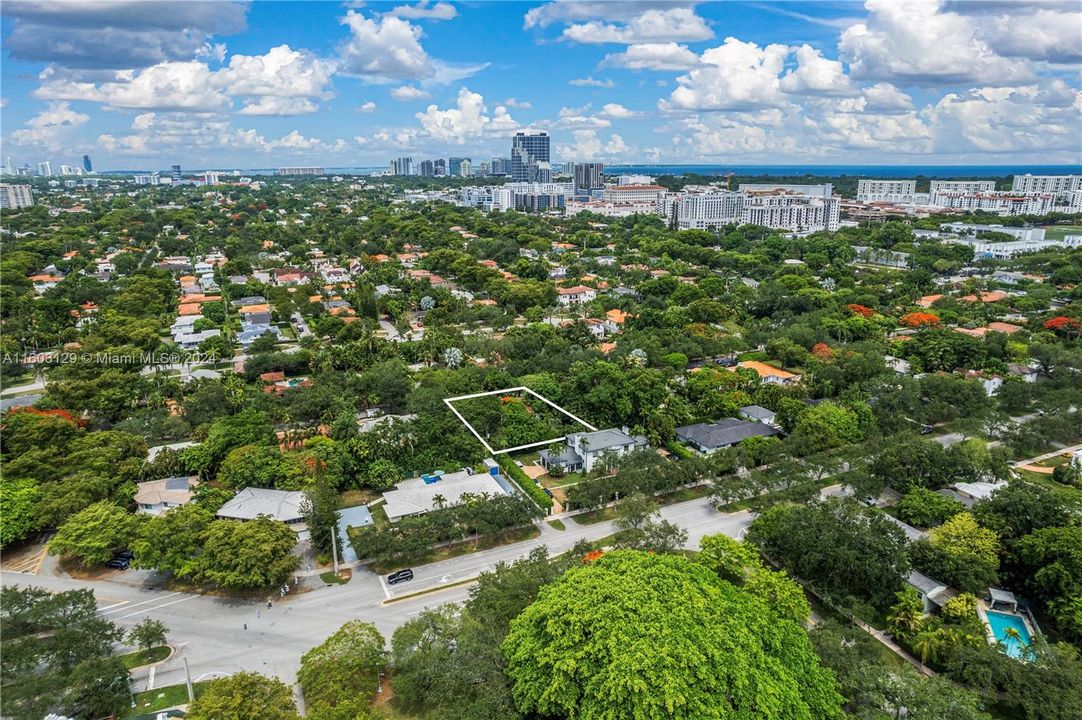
635,635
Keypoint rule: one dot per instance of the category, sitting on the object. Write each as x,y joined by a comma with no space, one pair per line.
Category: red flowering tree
62,414
919,319
861,310
823,352
1063,324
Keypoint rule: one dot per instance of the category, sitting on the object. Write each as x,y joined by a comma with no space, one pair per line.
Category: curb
172,654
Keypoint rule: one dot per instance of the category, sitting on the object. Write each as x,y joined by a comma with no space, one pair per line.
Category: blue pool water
999,622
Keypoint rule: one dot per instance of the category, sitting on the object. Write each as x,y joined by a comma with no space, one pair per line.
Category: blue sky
225,84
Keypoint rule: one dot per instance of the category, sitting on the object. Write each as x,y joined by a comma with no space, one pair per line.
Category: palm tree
906,618
439,501
928,645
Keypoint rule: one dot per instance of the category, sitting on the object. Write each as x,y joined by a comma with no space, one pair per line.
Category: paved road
38,384
209,631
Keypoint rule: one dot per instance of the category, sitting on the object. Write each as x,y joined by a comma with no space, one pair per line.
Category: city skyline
265,84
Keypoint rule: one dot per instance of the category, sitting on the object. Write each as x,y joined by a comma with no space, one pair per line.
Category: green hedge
679,450
532,489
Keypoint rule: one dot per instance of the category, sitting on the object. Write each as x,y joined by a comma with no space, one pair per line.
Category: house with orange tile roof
575,294
987,297
255,314
770,374
189,309
928,300
1005,328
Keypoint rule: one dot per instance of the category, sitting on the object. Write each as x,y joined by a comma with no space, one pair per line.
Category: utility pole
188,680
334,546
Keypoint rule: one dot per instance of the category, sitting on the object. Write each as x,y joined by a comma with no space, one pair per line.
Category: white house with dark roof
725,433
582,451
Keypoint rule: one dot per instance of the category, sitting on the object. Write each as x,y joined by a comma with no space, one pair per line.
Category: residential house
760,414
582,451
281,505
575,295
1027,373
725,433
250,333
156,496
770,374
933,594
255,314
429,492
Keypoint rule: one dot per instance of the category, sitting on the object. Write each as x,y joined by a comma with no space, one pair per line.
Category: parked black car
400,577
119,563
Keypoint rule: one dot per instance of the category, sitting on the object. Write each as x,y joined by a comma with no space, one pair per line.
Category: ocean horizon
788,170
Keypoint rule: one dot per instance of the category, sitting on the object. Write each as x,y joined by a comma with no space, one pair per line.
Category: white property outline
450,403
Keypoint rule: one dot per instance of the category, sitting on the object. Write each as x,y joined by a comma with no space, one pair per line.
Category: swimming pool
1000,622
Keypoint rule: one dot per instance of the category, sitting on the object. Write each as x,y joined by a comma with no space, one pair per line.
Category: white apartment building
632,193
13,196
791,211
610,209
983,250
1073,201
1002,203
824,191
1058,184
892,191
958,186
634,180
706,210
152,179
1028,234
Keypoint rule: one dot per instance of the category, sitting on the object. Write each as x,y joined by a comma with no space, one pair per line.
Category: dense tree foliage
244,696
57,656
837,546
699,647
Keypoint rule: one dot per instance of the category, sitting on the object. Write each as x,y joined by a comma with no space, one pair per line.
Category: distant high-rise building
175,174
569,168
440,167
70,170
151,179
87,165
45,169
300,171
210,177
483,168
9,166
530,157
588,176
402,166
14,195
465,168
501,166
454,166
428,168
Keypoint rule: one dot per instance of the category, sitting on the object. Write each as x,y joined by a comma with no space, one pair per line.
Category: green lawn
447,552
330,578
144,657
1047,481
353,498
1057,232
379,516
1054,461
557,524
162,698
609,513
